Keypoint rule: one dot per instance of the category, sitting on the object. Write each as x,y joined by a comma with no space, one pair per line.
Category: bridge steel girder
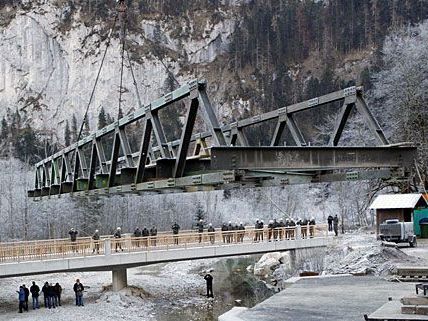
310,158
143,165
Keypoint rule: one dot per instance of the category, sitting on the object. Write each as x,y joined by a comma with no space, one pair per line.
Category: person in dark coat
78,291
137,235
312,227
336,225
211,233
21,298
256,233
261,230
118,235
330,223
27,294
153,234
145,233
96,239
45,289
208,277
35,291
275,230
241,234
281,226
229,232
304,227
57,294
51,296
200,227
224,232
292,231
73,238
270,230
175,229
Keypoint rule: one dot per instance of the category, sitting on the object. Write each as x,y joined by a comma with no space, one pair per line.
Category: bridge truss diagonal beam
169,165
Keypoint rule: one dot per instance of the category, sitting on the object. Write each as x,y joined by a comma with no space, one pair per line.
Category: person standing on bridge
96,239
336,225
312,227
224,232
73,238
118,235
35,291
78,290
281,226
153,234
330,223
175,229
229,232
137,235
208,277
145,233
241,229
211,233
200,226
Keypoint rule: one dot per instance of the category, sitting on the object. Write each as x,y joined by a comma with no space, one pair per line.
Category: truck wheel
412,243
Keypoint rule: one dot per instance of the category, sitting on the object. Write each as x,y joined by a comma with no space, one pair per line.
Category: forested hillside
256,56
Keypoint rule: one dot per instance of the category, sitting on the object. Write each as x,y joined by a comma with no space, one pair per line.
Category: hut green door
417,216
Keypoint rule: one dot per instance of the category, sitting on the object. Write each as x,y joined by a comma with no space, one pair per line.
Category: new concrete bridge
116,255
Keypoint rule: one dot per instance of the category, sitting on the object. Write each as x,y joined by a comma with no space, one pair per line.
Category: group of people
277,230
333,224
146,234
51,295
231,232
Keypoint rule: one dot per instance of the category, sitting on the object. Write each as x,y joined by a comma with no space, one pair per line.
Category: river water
231,282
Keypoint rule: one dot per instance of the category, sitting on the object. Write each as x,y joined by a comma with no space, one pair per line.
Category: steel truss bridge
219,158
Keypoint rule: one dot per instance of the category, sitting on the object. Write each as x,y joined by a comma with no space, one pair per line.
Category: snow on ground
151,290
361,253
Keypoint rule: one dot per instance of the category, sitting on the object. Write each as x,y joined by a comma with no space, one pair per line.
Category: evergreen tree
120,114
67,134
86,128
27,146
200,213
74,128
102,119
4,129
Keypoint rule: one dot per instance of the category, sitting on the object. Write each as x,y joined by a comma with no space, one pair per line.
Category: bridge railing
63,248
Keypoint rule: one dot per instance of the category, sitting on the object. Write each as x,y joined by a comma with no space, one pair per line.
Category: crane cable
97,78
122,10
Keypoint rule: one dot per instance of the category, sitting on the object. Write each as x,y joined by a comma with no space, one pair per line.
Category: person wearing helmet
211,233
256,232
118,235
281,226
229,232
200,226
96,239
312,227
241,229
270,230
287,230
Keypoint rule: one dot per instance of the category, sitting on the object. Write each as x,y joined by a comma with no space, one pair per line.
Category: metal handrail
31,251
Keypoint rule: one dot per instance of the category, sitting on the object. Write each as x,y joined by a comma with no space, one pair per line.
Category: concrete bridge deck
52,256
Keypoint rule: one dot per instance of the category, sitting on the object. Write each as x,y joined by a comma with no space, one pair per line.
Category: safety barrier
107,245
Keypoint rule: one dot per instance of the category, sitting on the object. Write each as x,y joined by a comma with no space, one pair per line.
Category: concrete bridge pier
119,279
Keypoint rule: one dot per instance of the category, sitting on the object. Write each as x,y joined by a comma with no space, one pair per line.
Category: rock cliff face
48,74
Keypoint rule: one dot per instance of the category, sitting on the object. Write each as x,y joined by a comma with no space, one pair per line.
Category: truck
399,232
